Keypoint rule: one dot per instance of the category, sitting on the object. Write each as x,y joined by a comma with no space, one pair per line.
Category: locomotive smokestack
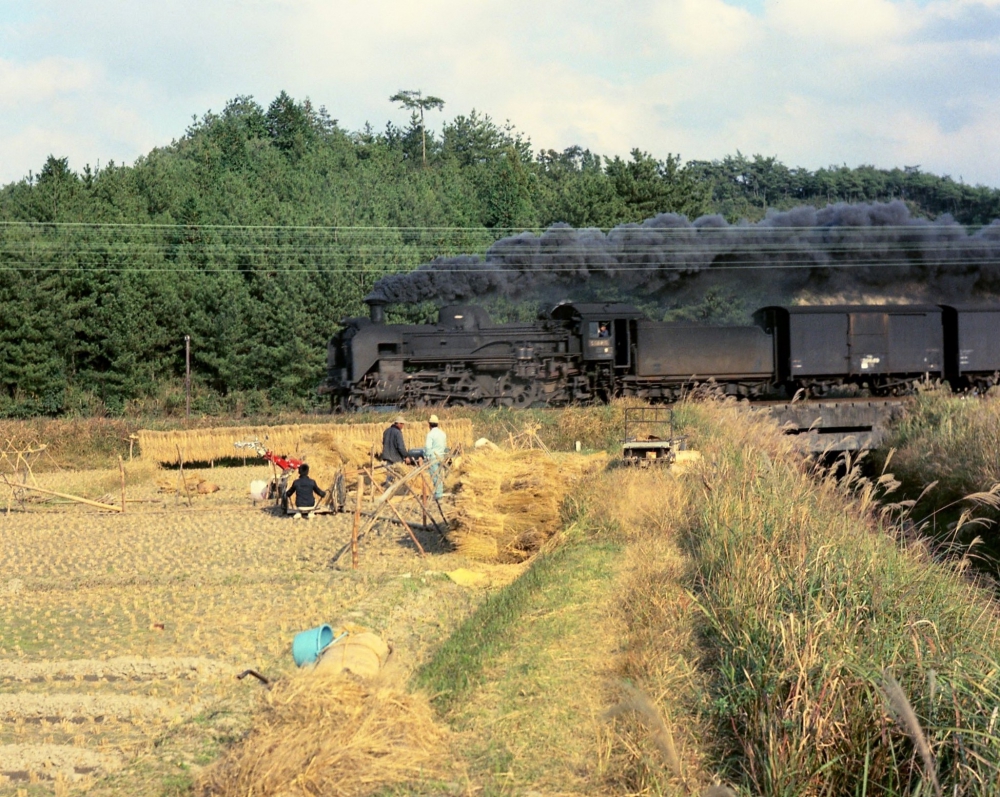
376,311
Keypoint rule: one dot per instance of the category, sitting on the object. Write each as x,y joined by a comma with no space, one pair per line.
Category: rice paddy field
121,635
750,625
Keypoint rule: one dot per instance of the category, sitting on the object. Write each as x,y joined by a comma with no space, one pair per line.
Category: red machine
286,464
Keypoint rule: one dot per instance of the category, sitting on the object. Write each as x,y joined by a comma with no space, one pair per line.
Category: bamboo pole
423,502
408,529
357,523
180,464
121,469
77,498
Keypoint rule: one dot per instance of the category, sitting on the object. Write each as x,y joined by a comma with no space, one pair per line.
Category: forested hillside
258,229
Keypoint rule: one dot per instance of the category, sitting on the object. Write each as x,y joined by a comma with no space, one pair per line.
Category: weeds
807,601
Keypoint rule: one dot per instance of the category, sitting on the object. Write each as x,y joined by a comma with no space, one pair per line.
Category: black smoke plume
841,250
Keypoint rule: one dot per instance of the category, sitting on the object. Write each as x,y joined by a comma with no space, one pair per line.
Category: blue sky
814,82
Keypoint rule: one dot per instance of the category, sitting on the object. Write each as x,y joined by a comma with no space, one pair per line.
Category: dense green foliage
259,229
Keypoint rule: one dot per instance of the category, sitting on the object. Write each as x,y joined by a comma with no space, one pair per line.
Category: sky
812,82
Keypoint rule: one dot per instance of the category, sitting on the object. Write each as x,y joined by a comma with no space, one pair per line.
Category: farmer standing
435,449
394,450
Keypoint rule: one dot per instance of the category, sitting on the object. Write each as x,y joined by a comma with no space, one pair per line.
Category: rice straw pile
332,734
508,503
296,440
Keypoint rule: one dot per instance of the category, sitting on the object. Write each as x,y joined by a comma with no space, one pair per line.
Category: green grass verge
549,582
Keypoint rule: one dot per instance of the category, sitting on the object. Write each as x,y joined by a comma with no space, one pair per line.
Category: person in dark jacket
394,450
302,490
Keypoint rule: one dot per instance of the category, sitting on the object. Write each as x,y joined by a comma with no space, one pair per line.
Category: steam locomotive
581,352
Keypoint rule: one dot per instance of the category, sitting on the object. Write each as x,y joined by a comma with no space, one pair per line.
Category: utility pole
187,375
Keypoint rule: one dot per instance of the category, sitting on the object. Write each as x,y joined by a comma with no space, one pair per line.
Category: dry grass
806,601
323,735
508,503
662,732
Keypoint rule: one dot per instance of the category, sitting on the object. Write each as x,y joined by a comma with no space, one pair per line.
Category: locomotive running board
835,426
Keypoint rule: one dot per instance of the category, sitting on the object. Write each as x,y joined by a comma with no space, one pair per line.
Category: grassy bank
841,662
944,450
949,439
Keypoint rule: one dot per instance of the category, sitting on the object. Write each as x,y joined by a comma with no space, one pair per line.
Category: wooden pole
76,498
357,523
423,501
187,376
121,470
180,463
408,529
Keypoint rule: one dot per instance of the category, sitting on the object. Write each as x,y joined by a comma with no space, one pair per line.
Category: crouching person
303,490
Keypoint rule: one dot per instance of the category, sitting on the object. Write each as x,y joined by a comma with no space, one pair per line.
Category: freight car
580,352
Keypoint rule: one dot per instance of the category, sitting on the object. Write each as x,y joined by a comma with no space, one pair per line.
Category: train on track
583,352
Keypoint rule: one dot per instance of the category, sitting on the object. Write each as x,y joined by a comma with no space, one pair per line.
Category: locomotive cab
607,331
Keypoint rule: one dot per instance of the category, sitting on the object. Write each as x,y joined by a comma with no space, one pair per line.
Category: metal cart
650,438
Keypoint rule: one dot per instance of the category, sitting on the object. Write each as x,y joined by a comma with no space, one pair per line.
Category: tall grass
812,611
948,439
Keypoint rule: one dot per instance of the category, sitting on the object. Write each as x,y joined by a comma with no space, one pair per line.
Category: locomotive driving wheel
515,393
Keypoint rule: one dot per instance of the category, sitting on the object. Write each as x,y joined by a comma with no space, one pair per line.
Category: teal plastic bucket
307,645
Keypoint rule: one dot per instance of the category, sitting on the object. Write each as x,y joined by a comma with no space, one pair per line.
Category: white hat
433,419
399,419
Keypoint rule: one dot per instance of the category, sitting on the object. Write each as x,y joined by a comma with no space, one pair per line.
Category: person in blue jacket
435,450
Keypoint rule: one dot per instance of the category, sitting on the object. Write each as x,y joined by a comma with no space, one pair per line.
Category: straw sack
192,484
685,462
362,654
323,734
508,503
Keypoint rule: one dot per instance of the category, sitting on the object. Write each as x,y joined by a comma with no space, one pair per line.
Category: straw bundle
210,445
332,734
508,502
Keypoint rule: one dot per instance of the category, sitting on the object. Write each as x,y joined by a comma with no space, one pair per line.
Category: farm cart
650,438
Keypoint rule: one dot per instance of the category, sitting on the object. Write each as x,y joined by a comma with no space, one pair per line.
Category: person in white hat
436,449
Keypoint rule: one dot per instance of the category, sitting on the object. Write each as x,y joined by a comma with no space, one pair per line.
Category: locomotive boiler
579,352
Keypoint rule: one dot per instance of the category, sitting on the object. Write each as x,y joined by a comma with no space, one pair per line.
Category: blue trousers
437,478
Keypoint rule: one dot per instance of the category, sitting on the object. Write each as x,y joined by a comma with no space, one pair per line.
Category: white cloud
814,82
841,22
41,81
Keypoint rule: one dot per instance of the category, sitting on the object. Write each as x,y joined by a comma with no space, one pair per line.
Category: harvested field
122,634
